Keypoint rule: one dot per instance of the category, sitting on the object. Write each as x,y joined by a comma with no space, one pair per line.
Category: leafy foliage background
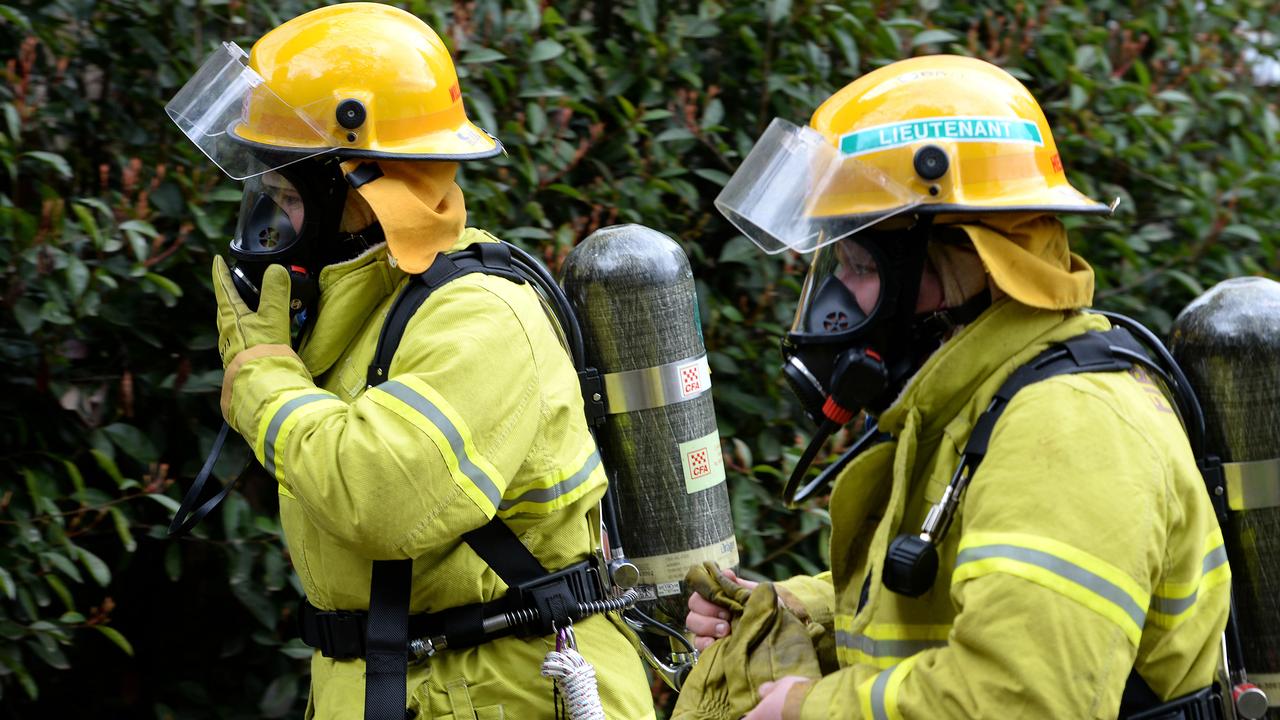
611,112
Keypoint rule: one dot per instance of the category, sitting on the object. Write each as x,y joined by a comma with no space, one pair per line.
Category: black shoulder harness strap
1094,351
386,658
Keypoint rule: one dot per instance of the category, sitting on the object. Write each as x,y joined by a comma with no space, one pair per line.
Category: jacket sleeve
1063,539
417,460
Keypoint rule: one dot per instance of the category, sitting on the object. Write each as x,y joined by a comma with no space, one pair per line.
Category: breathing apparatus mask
292,216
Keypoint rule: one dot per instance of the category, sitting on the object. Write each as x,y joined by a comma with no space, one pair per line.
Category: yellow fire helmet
363,80
929,135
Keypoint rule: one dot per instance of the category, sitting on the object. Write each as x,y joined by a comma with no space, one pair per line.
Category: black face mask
291,217
851,346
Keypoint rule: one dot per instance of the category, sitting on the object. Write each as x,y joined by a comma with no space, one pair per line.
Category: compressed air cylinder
633,292
1228,344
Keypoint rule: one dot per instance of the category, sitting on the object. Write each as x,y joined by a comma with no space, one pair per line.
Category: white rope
577,682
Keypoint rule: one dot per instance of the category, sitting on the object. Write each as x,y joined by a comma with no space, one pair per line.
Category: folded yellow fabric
768,642
419,206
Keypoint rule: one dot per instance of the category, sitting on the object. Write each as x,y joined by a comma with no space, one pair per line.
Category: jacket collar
968,369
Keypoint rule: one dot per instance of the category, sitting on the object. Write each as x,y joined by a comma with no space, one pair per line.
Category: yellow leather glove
239,327
769,642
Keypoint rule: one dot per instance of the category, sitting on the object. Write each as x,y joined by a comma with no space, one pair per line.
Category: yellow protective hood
419,206
1028,258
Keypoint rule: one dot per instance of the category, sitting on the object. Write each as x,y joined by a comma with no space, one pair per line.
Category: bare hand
773,695
708,621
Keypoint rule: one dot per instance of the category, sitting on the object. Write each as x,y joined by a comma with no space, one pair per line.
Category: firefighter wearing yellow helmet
1083,575
347,124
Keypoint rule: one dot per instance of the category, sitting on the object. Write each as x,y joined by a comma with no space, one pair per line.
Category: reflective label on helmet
955,129
703,463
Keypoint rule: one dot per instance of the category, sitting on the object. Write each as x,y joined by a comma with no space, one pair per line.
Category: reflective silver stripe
277,421
1252,485
885,648
1215,558
878,710
543,495
657,386
433,415
1099,586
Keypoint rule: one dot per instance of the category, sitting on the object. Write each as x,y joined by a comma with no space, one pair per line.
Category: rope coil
575,678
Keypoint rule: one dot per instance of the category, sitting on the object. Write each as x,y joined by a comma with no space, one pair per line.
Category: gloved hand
768,642
710,605
238,326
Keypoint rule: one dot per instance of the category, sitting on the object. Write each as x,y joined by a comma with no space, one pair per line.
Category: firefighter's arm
417,460
1061,539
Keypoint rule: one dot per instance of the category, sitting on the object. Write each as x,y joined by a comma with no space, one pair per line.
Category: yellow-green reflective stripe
446,427
546,495
1214,559
1090,581
277,421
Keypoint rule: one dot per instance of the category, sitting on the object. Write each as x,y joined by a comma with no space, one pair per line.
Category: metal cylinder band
659,386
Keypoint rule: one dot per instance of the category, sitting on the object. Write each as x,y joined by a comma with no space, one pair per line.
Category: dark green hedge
611,112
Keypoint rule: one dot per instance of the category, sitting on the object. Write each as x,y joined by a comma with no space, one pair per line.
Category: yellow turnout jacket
480,415
1085,546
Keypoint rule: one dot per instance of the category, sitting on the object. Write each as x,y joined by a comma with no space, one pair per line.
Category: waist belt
527,609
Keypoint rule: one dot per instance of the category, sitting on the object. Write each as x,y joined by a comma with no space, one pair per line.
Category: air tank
632,290
1227,342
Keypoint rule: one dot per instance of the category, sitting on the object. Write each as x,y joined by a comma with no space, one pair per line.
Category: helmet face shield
218,98
797,191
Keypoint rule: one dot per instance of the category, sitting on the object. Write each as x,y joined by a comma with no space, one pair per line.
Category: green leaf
675,133
57,162
166,501
122,529
6,584
64,564
28,316
719,177
77,479
12,16
933,37
89,223
169,289
108,465
480,56
114,636
142,227
50,653
544,50
77,273
132,441
96,567
1243,232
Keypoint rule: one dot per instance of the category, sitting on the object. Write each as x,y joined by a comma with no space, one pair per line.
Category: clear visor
796,191
842,290
217,99
271,216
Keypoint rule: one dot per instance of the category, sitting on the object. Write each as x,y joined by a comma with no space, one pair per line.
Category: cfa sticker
703,463
695,377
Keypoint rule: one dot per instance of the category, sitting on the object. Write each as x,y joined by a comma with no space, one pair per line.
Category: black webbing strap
387,634
501,550
188,516
488,258
1091,352
386,640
